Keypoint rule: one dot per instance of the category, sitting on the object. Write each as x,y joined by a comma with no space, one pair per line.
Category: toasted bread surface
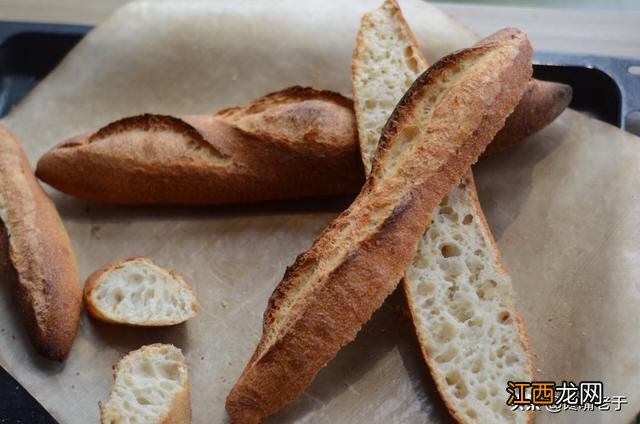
37,255
151,385
135,291
334,287
458,291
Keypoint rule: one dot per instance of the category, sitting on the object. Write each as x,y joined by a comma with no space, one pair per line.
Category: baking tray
604,87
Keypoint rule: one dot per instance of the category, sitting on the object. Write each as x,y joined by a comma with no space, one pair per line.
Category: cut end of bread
149,139
162,138
464,312
386,61
151,386
135,291
36,256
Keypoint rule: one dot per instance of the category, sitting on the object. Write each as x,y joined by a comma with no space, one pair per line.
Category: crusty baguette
135,291
334,287
541,103
36,257
298,142
151,386
458,291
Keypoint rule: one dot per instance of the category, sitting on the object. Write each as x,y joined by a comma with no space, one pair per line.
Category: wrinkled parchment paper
563,206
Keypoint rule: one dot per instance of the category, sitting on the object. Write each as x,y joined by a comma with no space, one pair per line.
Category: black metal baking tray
604,87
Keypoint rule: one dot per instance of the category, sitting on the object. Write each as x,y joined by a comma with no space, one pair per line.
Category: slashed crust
38,254
298,142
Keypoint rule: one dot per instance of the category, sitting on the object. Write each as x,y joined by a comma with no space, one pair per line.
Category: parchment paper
563,207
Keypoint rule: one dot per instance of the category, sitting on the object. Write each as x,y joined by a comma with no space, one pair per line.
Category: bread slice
458,291
386,61
135,291
36,257
356,262
298,142
151,386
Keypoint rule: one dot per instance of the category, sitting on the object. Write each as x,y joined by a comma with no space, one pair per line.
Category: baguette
151,386
295,143
298,142
135,291
459,294
541,103
36,256
357,261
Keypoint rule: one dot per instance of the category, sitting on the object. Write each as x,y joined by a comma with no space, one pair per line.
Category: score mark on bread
160,138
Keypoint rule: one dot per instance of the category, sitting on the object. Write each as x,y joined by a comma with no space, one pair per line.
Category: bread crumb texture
388,64
138,292
147,381
463,304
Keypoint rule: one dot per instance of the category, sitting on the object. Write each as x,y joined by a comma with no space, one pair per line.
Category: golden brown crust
40,257
335,287
295,143
541,103
96,312
180,412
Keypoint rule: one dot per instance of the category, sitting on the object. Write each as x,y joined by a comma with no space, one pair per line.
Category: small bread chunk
297,142
135,291
151,385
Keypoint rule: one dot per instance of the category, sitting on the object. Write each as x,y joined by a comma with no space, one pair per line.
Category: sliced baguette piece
151,386
36,257
333,289
298,142
460,296
135,291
